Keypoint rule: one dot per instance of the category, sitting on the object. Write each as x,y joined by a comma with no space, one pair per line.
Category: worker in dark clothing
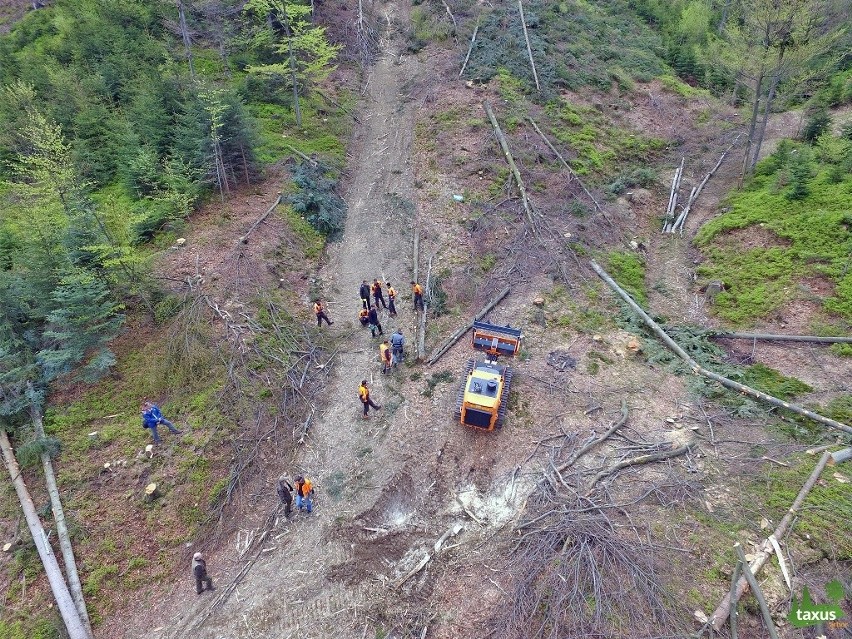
391,300
397,344
375,325
319,309
199,572
364,292
378,296
364,316
364,394
417,290
285,494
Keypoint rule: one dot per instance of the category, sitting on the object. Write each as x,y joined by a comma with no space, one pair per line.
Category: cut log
694,196
817,339
258,221
311,161
529,48
452,339
151,492
512,166
840,456
699,370
766,549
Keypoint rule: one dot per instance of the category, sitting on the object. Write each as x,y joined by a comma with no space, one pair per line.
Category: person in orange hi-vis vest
304,493
391,300
364,394
319,309
418,295
378,296
385,355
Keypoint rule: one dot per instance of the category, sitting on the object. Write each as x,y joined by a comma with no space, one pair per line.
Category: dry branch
817,339
452,339
717,619
312,161
470,48
699,370
508,155
421,331
672,205
452,17
592,444
570,170
641,459
259,221
529,48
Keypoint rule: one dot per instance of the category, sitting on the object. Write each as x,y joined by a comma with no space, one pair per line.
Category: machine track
504,399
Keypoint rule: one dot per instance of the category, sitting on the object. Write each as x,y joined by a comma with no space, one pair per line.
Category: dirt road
287,592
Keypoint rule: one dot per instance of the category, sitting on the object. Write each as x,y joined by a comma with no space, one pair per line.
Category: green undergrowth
324,130
600,147
791,223
628,270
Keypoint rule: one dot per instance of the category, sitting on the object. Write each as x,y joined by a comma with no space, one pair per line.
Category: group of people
391,353
302,489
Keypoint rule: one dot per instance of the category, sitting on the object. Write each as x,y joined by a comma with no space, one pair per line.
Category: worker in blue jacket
152,417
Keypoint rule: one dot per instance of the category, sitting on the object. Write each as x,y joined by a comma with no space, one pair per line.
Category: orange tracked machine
482,400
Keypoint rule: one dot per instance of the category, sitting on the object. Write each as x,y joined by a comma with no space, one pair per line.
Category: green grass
600,147
774,383
795,239
628,270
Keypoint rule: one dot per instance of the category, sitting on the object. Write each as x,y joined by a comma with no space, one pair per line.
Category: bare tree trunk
767,109
65,603
296,108
71,573
184,32
758,87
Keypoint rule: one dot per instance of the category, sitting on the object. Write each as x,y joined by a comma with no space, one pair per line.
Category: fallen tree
452,339
700,370
717,619
817,339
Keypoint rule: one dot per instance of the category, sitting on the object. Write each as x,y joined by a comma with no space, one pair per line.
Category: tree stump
151,492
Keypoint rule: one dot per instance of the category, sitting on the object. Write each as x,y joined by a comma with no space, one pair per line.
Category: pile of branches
580,565
578,574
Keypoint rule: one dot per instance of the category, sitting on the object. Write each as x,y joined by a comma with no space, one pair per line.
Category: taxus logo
805,613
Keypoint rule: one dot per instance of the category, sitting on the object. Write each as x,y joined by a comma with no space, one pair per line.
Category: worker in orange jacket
319,309
378,296
418,295
304,494
364,316
364,394
391,300
385,355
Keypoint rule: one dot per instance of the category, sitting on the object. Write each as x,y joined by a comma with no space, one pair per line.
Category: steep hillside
552,526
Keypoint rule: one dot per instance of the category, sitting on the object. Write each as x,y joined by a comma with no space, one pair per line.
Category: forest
179,181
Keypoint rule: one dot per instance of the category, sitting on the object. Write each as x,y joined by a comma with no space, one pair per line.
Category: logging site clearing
678,417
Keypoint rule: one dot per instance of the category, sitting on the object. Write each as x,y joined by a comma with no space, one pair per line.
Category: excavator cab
482,400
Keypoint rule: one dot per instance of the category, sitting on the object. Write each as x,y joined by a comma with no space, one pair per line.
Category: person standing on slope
364,394
199,573
364,292
391,300
319,309
417,290
304,494
378,296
